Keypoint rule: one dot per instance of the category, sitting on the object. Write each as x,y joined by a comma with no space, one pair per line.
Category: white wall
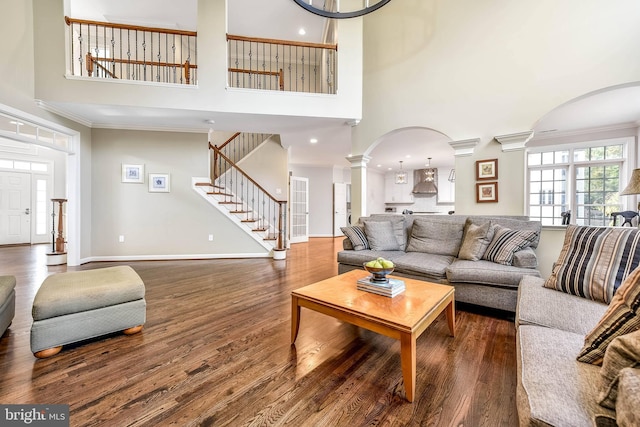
320,198
157,224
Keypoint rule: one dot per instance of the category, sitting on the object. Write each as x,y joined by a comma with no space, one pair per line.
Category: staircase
241,198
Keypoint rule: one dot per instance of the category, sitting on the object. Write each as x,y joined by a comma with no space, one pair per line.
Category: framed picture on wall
486,192
486,169
133,173
159,183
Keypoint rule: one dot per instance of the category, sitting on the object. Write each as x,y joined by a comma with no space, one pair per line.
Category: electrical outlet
121,239
211,237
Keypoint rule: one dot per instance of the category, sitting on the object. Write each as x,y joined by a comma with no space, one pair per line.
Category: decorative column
59,255
358,186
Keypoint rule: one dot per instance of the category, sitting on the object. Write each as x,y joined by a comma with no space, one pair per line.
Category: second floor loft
104,50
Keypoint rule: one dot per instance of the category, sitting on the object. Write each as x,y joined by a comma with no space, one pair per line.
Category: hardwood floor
215,351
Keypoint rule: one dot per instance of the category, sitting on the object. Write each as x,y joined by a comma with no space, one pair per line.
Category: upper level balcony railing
120,51
269,64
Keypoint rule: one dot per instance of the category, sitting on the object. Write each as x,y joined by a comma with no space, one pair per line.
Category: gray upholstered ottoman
75,306
7,302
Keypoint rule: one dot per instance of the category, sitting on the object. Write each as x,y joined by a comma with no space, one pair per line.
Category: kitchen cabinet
398,193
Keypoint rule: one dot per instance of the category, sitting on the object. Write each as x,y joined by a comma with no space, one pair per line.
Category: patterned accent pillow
506,242
594,261
381,235
620,318
623,352
357,237
476,240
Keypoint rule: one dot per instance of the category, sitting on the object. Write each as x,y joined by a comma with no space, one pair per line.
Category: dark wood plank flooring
215,351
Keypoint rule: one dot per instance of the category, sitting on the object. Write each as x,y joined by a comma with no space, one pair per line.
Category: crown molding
464,147
64,113
539,136
514,141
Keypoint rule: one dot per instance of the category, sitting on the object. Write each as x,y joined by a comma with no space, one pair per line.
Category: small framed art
133,173
486,192
159,183
486,169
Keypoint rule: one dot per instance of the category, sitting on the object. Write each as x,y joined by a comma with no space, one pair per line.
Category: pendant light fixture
401,176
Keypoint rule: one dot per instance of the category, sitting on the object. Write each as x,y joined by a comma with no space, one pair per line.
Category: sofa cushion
7,284
620,318
356,236
476,240
432,266
627,414
380,235
525,258
553,388
435,237
487,273
542,306
594,261
398,223
506,242
623,352
358,258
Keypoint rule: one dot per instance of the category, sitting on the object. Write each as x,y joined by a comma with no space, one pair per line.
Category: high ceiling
601,109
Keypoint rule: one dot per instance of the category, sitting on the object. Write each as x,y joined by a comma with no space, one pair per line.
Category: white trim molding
464,147
514,141
360,160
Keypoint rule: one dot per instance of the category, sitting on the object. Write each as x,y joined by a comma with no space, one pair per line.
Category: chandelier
340,9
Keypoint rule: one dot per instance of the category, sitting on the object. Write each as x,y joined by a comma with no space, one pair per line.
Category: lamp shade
634,184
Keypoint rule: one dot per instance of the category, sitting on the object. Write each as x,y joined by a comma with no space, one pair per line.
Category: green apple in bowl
379,268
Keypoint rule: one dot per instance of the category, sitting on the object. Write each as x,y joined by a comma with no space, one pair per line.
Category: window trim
627,162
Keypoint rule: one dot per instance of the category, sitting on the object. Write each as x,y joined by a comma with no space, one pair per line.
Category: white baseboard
171,257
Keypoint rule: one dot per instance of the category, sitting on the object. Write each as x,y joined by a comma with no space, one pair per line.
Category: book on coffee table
389,289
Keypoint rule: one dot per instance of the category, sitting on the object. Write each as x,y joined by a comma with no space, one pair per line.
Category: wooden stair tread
249,220
239,212
217,193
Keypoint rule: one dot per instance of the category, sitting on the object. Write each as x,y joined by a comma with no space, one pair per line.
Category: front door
15,208
299,201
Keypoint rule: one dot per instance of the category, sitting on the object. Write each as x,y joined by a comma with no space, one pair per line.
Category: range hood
426,181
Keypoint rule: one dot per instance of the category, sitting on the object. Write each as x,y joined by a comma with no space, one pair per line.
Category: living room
473,72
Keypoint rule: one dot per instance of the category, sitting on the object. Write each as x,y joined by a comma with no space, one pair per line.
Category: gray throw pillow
435,237
476,240
381,236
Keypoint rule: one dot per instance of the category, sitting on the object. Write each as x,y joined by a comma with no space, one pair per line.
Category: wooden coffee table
404,317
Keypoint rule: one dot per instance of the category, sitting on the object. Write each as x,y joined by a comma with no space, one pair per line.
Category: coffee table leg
451,317
408,363
295,318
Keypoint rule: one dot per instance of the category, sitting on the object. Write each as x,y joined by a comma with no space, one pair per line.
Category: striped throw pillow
594,261
357,237
506,242
620,318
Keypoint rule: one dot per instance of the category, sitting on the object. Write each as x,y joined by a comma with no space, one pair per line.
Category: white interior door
339,208
15,208
299,209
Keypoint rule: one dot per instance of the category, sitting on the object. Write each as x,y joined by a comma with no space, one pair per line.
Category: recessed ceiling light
379,166
302,31
313,140
408,156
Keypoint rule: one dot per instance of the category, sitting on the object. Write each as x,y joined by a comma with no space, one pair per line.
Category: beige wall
480,69
157,224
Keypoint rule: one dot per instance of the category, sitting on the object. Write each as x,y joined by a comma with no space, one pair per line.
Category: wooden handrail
262,73
103,68
138,62
70,21
282,42
228,160
235,135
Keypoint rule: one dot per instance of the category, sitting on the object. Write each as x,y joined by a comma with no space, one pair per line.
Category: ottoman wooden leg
134,330
43,354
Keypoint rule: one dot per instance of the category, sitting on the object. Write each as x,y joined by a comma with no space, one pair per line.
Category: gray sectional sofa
578,349
431,247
